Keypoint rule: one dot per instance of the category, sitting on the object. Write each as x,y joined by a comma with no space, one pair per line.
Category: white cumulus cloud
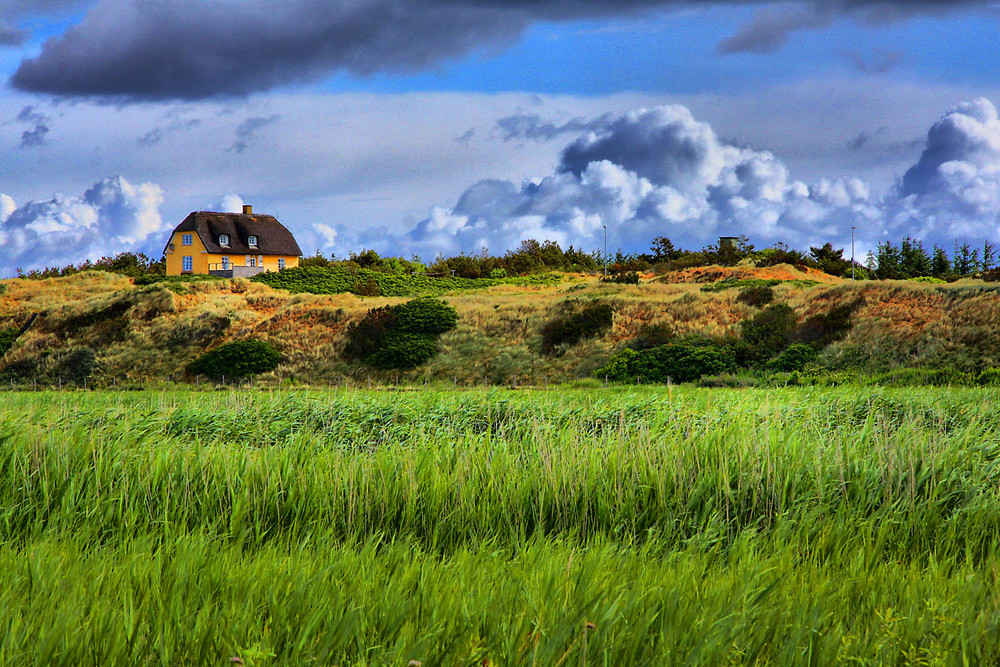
110,217
231,204
660,171
647,173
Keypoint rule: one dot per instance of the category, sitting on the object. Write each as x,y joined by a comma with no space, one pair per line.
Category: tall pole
605,249
852,253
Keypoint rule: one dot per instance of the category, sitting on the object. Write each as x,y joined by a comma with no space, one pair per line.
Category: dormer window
252,241
223,239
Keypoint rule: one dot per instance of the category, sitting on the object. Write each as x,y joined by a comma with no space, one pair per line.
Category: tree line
890,261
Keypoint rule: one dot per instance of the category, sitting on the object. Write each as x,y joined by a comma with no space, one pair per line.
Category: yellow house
230,245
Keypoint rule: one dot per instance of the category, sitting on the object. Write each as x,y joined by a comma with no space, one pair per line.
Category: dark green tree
914,260
989,256
829,260
965,260
940,264
663,250
888,262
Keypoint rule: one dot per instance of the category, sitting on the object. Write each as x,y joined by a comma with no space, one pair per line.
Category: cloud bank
110,217
229,47
660,171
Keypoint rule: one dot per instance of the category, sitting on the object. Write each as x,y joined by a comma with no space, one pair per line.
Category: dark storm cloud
160,49
246,130
770,29
35,136
532,127
11,35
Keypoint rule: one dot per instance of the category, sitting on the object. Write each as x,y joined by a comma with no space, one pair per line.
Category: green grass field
601,527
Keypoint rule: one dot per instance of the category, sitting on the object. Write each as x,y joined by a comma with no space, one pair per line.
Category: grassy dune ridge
632,526
122,334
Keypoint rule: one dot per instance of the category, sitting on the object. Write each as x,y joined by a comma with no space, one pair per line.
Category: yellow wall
201,258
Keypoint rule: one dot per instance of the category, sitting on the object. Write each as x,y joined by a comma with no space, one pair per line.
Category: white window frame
251,261
187,239
224,239
281,263
187,263
225,263
252,241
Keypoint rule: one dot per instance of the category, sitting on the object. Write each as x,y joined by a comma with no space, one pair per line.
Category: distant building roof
273,238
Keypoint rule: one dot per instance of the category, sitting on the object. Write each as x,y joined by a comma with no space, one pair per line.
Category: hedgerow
683,361
365,282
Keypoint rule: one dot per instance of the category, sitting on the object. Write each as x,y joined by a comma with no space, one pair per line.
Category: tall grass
623,527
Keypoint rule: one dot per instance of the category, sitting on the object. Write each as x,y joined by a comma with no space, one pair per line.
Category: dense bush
237,360
7,338
425,315
591,321
782,254
683,361
766,334
991,376
795,357
741,284
400,336
991,275
757,296
404,351
824,328
366,335
652,335
625,278
71,366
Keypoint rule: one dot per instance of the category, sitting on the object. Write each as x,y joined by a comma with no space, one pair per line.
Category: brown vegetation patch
714,274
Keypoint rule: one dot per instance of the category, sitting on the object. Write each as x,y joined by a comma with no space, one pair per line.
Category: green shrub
624,278
766,334
71,366
619,366
404,351
740,283
365,336
918,377
929,279
991,376
7,338
425,315
990,275
366,288
589,322
757,296
684,361
793,358
652,335
237,360
401,336
370,282
825,328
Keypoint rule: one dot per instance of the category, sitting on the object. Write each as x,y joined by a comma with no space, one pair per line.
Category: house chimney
247,209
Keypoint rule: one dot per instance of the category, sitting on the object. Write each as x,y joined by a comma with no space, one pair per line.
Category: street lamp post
605,250
852,253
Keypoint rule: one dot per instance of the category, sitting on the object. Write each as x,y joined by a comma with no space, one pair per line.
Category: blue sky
373,124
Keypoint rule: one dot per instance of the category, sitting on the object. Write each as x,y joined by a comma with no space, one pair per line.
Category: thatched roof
273,238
